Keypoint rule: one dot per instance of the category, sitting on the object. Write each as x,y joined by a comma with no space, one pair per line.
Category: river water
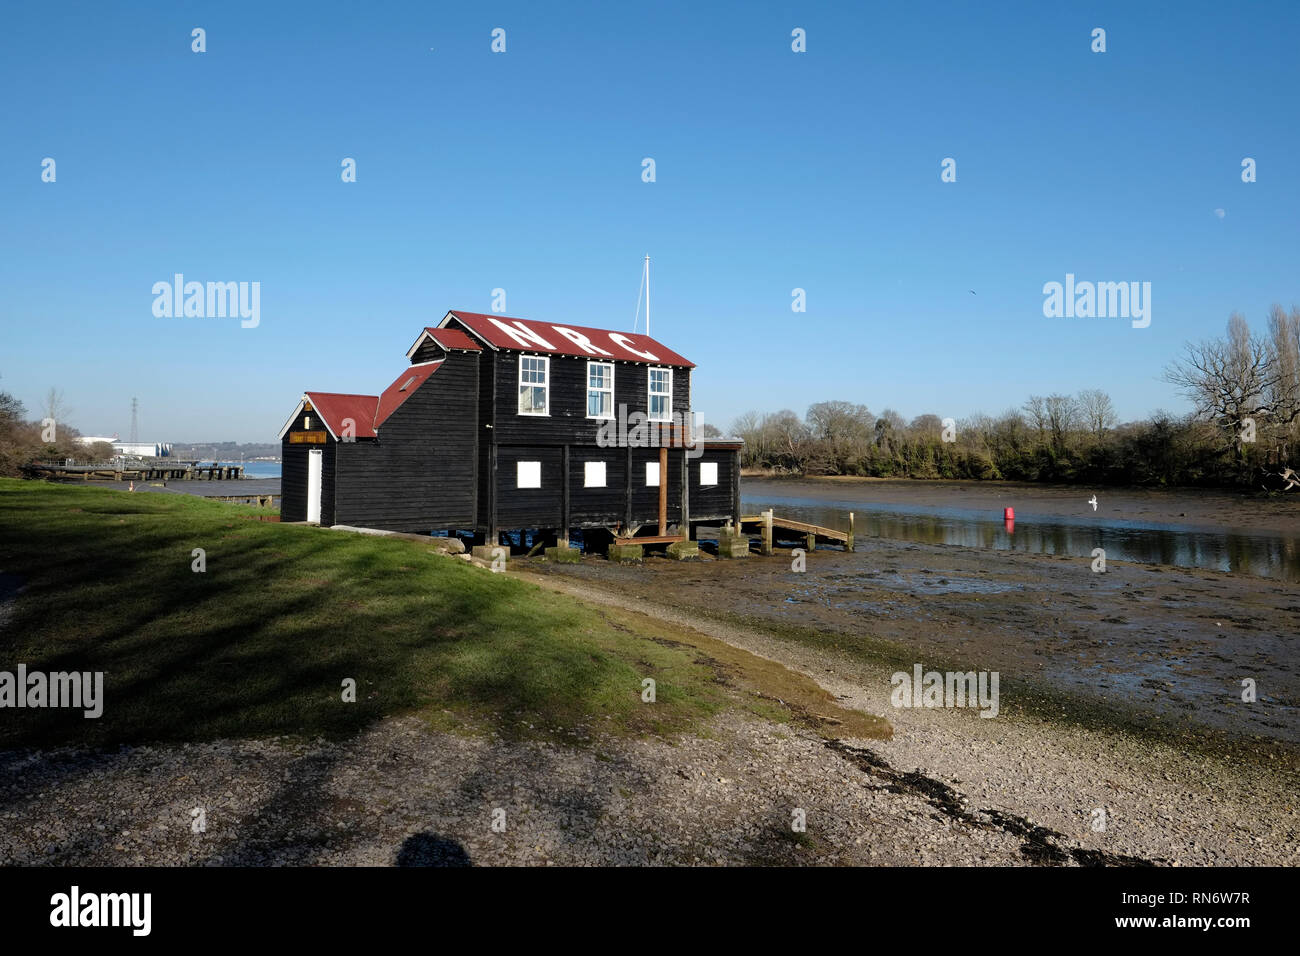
1261,554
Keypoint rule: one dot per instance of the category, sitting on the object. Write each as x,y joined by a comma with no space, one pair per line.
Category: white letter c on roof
622,340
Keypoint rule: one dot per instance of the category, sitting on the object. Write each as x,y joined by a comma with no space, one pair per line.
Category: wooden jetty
768,525
159,469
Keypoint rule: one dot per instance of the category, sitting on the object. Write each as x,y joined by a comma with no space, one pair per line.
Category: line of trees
1244,428
23,441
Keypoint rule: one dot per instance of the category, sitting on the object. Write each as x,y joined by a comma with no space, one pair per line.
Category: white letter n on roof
522,335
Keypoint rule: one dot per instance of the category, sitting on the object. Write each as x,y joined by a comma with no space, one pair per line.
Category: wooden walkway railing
767,524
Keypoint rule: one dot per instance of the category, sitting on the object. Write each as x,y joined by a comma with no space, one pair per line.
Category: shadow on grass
262,642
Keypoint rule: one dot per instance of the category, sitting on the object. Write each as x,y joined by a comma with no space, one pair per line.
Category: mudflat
1122,737
1157,645
1148,713
1194,507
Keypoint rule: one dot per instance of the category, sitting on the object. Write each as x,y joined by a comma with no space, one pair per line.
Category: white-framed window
534,384
528,474
660,396
708,473
600,389
652,473
594,474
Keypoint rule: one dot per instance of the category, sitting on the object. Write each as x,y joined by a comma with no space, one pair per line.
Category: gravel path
1161,803
949,789
402,795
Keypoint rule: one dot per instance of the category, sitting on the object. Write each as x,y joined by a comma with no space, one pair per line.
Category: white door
313,486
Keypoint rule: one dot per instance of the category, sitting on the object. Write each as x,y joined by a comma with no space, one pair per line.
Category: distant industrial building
138,449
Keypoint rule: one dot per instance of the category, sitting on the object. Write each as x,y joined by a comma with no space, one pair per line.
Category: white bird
1093,501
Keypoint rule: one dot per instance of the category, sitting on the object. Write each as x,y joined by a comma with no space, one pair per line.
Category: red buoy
1009,514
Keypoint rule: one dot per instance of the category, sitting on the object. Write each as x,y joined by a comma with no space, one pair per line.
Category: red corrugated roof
334,408
369,412
454,339
401,389
529,335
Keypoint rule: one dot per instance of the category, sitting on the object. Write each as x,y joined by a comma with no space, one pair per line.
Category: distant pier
156,470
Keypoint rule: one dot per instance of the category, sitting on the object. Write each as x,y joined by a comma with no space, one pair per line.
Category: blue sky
522,170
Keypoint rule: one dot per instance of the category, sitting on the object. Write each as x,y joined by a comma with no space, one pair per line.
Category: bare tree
1096,410
785,436
18,439
844,429
749,427
1036,409
1062,418
1054,416
1227,380
747,423
926,424
12,411
1283,389
55,407
839,421
977,430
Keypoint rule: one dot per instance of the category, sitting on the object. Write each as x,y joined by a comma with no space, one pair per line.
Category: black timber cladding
420,473
448,457
293,470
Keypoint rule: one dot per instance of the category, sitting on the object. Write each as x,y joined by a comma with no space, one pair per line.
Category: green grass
260,643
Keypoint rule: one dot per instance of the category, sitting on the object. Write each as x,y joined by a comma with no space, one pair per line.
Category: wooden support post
493,531
686,495
812,542
767,532
663,490
562,538
627,487
848,543
735,488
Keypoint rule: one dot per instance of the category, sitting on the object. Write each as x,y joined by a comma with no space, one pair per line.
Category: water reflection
1273,556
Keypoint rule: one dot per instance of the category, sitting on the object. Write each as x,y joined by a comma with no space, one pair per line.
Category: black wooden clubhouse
501,425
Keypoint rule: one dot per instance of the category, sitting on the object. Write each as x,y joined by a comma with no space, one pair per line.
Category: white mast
645,284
